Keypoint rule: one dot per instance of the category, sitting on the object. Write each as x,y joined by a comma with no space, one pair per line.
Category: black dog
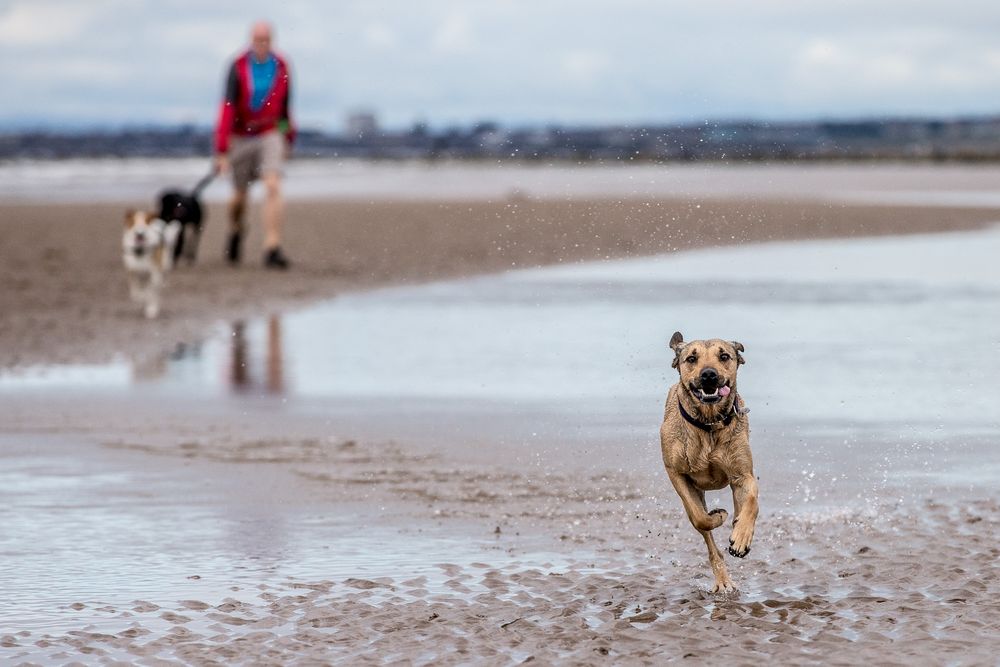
185,209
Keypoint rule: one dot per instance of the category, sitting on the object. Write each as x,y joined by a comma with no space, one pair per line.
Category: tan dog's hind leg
745,509
704,522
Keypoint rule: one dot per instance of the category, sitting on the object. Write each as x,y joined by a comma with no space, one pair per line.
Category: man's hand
221,163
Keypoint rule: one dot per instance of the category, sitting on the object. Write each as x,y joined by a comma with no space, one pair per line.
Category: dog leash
203,183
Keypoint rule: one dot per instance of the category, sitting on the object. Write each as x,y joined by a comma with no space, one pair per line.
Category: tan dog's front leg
745,508
723,584
704,522
694,503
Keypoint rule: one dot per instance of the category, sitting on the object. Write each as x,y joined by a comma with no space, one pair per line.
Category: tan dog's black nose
709,378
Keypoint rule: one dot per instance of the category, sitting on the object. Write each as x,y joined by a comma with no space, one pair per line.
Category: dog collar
707,428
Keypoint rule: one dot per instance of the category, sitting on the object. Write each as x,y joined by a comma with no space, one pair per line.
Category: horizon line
19,127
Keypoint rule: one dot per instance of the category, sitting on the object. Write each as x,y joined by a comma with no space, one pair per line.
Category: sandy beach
156,528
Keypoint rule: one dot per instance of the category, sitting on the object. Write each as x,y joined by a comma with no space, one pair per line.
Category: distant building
362,124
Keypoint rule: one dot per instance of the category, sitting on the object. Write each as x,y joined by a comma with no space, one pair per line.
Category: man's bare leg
274,211
274,221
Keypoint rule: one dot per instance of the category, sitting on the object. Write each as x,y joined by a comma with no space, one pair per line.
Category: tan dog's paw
739,543
721,514
724,585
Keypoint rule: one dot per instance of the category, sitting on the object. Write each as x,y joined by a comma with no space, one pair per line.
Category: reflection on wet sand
242,368
149,369
252,360
159,367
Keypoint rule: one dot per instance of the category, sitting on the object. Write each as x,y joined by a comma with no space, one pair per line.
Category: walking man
254,137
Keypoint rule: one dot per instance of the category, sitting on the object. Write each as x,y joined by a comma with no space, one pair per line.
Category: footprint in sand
194,605
171,617
366,584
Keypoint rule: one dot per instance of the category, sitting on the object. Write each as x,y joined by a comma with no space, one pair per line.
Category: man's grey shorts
251,157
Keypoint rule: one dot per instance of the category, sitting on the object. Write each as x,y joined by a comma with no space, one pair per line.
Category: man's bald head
260,39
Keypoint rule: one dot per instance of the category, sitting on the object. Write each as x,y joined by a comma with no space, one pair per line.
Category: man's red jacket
236,116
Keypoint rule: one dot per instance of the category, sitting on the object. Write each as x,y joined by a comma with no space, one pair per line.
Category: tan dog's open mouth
714,396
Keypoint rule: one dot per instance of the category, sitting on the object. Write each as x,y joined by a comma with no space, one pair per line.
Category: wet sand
242,512
460,561
839,605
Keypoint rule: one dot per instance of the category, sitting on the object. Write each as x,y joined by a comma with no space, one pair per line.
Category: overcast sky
109,62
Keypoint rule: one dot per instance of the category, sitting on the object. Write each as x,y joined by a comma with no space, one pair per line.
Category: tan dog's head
707,367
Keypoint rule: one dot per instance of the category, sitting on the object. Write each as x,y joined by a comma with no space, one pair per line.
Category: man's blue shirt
261,77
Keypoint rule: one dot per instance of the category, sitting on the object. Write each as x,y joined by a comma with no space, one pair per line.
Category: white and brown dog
148,253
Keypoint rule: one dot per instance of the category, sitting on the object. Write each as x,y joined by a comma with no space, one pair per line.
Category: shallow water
888,336
90,533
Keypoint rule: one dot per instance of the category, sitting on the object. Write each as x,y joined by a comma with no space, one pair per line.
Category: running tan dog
705,438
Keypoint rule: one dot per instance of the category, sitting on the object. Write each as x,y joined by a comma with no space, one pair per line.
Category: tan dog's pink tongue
724,391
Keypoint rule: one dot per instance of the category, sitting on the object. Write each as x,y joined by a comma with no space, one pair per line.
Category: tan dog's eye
724,357
691,359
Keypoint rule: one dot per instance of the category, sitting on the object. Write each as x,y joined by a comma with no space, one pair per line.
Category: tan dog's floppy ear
739,348
128,217
676,344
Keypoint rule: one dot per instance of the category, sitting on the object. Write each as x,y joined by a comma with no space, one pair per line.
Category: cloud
453,35
208,38
510,60
379,36
903,71
91,73
584,67
41,24
826,64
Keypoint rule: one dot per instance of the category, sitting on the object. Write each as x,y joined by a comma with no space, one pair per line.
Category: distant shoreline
955,139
